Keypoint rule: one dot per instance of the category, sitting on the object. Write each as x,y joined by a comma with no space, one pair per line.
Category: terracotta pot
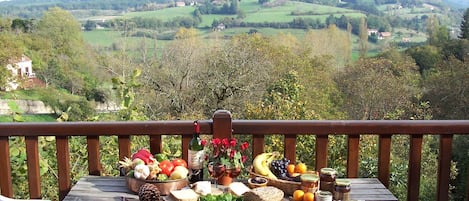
225,180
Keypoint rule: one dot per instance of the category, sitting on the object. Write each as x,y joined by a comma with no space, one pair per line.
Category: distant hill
457,3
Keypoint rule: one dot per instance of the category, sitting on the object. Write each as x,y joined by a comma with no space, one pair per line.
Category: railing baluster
384,159
94,165
5,172
156,144
124,146
258,143
353,150
290,148
415,158
444,167
322,142
63,155
32,157
185,146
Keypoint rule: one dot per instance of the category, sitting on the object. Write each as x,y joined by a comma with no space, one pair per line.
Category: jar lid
342,182
324,194
309,177
328,171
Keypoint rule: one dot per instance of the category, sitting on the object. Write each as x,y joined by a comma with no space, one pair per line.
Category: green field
254,12
29,118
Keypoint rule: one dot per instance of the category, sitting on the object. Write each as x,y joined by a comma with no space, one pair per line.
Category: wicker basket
165,187
288,187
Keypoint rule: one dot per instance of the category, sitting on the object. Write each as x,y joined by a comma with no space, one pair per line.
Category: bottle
196,156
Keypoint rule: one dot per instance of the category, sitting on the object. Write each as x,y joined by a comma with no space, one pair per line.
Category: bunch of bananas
261,164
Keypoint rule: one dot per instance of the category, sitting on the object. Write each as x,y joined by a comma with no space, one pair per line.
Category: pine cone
148,192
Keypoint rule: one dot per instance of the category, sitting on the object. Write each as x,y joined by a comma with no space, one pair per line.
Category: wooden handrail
222,125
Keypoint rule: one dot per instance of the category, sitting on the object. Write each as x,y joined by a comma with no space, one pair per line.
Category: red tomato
166,167
179,162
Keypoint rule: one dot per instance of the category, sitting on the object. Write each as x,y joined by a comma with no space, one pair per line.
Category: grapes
279,167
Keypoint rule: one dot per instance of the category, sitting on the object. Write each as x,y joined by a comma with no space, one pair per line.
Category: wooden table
114,188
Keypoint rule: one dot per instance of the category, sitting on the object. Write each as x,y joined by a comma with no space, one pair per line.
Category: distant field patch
164,14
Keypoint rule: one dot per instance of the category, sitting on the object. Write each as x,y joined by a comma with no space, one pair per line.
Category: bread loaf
266,193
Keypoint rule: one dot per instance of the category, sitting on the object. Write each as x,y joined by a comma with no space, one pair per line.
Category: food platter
164,186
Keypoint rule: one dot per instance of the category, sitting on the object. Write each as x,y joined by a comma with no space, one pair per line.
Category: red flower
233,142
232,153
216,141
225,142
244,146
203,142
243,158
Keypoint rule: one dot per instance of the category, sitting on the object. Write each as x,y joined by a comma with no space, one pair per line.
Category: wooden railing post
322,142
63,155
415,161
5,172
353,150
222,127
444,167
290,148
32,157
384,159
94,164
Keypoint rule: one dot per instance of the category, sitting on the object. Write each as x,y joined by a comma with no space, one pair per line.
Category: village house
21,69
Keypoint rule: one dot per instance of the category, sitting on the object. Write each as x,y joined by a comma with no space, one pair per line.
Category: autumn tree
331,41
376,87
363,37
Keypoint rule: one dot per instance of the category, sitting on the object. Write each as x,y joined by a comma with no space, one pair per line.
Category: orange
291,168
298,195
308,196
300,168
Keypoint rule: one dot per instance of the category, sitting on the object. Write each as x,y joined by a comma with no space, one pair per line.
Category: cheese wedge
184,195
238,188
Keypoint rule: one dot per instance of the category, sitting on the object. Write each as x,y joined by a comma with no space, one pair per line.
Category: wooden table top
114,188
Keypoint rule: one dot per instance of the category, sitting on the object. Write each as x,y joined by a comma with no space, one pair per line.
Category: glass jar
323,196
342,190
327,179
309,182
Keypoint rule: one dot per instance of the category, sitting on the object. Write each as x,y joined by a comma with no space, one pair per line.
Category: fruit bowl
164,186
255,182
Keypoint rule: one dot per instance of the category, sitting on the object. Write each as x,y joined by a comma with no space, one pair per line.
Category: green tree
62,30
11,50
465,25
426,57
437,35
90,25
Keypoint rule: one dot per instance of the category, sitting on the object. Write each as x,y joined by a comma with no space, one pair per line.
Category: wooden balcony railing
222,125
